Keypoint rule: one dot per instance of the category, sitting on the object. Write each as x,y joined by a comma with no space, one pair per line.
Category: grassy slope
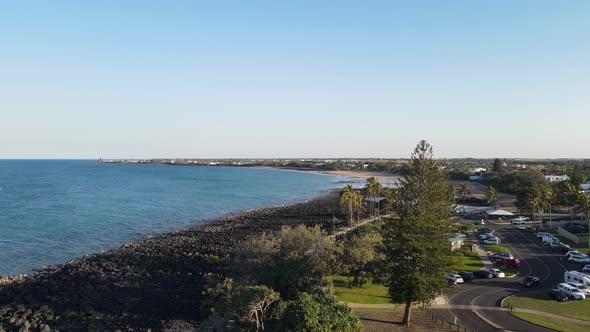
541,302
368,293
551,323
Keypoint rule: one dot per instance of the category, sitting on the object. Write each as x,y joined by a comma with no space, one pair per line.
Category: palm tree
583,206
492,197
359,204
535,201
348,201
373,188
464,190
570,195
549,198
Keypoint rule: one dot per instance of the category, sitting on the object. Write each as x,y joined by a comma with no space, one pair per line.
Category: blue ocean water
52,211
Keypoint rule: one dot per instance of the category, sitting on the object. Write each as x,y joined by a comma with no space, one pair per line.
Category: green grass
552,323
495,248
369,293
541,302
470,261
509,271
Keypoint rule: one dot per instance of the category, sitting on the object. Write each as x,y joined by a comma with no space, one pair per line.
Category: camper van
578,277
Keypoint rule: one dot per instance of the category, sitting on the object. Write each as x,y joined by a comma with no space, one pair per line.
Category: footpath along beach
151,283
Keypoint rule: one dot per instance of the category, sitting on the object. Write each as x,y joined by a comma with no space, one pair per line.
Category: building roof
499,213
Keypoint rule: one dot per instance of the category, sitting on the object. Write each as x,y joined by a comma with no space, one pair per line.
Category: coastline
142,284
345,173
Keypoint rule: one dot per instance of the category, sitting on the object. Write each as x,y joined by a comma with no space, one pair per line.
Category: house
456,241
556,178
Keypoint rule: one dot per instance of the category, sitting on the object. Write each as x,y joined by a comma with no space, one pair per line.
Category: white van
578,277
581,287
540,235
571,291
519,220
549,239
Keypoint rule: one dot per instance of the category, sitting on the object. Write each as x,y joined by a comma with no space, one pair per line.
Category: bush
322,314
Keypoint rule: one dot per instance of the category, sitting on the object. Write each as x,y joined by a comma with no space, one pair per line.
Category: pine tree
418,254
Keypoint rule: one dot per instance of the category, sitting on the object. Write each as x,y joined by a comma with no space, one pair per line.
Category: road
535,260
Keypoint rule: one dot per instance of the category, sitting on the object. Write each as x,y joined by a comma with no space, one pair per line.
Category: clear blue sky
117,79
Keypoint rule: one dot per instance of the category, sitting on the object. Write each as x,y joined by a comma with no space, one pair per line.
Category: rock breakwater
147,284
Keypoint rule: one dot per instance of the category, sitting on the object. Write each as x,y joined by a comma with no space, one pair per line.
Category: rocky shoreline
156,283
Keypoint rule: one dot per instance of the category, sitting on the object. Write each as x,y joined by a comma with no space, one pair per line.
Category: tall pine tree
418,253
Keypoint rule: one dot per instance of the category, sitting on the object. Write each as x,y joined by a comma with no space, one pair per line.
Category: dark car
557,295
482,274
466,275
530,281
560,248
485,230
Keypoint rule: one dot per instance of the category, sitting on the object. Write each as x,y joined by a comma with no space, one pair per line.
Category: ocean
52,211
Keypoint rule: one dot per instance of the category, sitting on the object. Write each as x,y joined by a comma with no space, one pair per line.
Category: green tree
492,197
290,261
535,201
348,201
583,206
318,313
357,253
389,195
498,166
568,196
417,253
464,190
373,188
548,198
577,176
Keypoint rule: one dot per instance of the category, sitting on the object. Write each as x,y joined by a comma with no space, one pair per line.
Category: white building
557,178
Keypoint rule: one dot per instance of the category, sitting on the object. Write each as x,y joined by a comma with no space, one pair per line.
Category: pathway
358,224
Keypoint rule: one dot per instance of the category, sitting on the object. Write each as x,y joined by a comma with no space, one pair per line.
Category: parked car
483,274
499,255
581,288
491,240
586,268
578,258
455,277
485,236
572,252
496,273
514,262
530,281
467,276
571,291
521,227
519,220
486,229
560,248
540,235
557,295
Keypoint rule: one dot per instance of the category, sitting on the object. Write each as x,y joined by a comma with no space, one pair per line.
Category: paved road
535,260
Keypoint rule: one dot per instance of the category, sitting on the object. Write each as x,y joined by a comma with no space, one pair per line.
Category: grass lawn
541,302
470,261
368,293
495,248
552,323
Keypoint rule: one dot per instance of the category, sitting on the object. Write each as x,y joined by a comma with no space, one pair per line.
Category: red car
530,281
510,262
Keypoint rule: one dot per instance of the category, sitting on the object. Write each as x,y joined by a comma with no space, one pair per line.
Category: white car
586,268
455,277
572,252
581,288
571,291
578,258
519,220
521,227
540,235
496,273
485,236
492,240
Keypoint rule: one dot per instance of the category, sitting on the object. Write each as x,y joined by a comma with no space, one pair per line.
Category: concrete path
485,259
358,224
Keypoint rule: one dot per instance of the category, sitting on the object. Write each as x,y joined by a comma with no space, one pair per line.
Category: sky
294,79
